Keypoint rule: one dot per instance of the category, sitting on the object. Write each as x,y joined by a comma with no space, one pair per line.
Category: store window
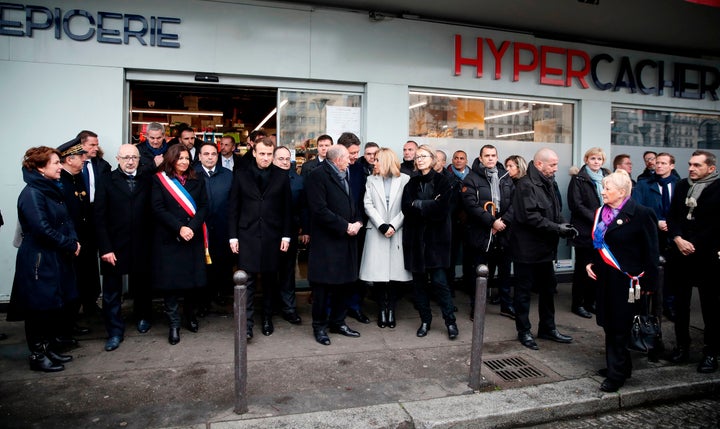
435,115
664,129
303,116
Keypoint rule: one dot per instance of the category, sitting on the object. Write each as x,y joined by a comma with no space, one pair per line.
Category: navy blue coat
44,276
218,193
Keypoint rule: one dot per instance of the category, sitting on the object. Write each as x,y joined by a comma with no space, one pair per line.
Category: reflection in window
641,127
470,117
304,116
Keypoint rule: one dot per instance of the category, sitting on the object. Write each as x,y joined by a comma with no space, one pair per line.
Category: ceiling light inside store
502,115
176,112
474,97
270,115
147,122
416,105
515,134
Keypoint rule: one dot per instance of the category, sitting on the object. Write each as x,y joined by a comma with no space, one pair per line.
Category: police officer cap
73,147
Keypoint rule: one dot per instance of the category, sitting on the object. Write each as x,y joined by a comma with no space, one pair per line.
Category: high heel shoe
390,319
382,318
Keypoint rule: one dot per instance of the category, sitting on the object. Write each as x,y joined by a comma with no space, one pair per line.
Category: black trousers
269,284
41,327
617,356
141,291
87,270
219,275
541,275
699,273
441,291
336,295
172,305
286,279
583,287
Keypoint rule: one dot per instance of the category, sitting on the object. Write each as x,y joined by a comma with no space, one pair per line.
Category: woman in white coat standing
382,259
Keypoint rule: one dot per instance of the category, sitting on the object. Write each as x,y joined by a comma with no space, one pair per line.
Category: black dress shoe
267,327
64,342
582,312
679,355
174,336
527,340
358,315
322,337
292,318
249,335
80,330
591,308
708,365
423,329
556,336
610,386
452,331
193,325
508,311
57,358
391,319
344,330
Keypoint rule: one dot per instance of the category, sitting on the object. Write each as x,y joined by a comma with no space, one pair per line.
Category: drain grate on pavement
514,368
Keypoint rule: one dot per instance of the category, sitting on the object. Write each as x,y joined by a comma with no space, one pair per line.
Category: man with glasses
218,181
123,220
649,159
154,147
368,160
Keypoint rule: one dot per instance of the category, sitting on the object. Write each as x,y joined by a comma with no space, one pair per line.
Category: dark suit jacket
259,219
309,166
236,162
123,222
704,230
632,238
218,192
333,255
178,264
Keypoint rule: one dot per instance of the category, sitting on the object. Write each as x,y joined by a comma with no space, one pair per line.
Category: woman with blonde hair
382,258
426,240
584,198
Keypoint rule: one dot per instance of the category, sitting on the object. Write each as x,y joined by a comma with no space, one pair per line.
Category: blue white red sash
186,201
608,257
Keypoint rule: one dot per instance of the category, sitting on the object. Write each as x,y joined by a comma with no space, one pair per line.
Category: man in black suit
248,159
123,222
88,277
695,232
192,144
218,181
333,258
228,158
259,218
323,144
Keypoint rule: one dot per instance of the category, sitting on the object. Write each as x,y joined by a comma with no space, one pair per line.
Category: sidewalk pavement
388,378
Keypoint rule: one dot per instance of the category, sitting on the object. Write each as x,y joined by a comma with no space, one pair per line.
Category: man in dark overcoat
695,231
123,222
260,216
218,181
537,228
333,258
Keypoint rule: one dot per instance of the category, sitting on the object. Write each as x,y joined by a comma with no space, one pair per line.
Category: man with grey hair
333,257
123,222
537,228
153,149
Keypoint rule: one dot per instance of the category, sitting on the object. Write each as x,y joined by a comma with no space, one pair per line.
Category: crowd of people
365,219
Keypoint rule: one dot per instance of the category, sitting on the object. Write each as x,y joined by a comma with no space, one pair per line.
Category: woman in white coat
382,259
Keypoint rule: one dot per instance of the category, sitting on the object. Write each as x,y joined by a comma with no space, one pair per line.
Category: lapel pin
619,222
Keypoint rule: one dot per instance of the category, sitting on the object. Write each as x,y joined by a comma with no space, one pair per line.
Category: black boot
57,357
391,318
382,318
40,361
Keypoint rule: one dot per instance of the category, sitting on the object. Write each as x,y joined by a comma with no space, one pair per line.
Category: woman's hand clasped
590,271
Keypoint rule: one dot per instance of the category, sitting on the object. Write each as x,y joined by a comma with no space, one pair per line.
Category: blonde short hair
430,151
388,163
621,180
595,151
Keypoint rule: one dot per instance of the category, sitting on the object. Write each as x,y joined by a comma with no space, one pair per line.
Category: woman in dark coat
179,241
583,200
44,277
627,231
426,240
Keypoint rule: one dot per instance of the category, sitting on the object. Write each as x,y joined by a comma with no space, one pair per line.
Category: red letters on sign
462,61
517,66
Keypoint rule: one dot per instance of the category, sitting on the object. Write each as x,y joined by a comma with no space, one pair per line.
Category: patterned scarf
695,190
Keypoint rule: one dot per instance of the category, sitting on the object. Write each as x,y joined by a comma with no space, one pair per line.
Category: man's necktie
211,173
86,176
131,182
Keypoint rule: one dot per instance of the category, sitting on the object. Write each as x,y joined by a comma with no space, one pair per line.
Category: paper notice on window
341,119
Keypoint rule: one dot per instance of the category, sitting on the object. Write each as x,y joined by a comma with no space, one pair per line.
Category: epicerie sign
18,20
647,77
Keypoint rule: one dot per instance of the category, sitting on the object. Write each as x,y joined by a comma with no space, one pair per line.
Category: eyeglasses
129,158
419,157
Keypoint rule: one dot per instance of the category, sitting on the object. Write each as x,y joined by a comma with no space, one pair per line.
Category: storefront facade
68,65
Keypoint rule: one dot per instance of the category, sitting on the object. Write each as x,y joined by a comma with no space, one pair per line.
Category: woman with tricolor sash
625,267
179,203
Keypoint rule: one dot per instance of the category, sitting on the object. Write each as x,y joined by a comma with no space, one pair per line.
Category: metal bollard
481,282
241,404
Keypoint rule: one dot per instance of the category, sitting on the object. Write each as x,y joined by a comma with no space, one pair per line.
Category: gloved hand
384,228
566,230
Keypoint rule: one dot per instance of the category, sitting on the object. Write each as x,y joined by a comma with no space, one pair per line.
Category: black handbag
645,333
